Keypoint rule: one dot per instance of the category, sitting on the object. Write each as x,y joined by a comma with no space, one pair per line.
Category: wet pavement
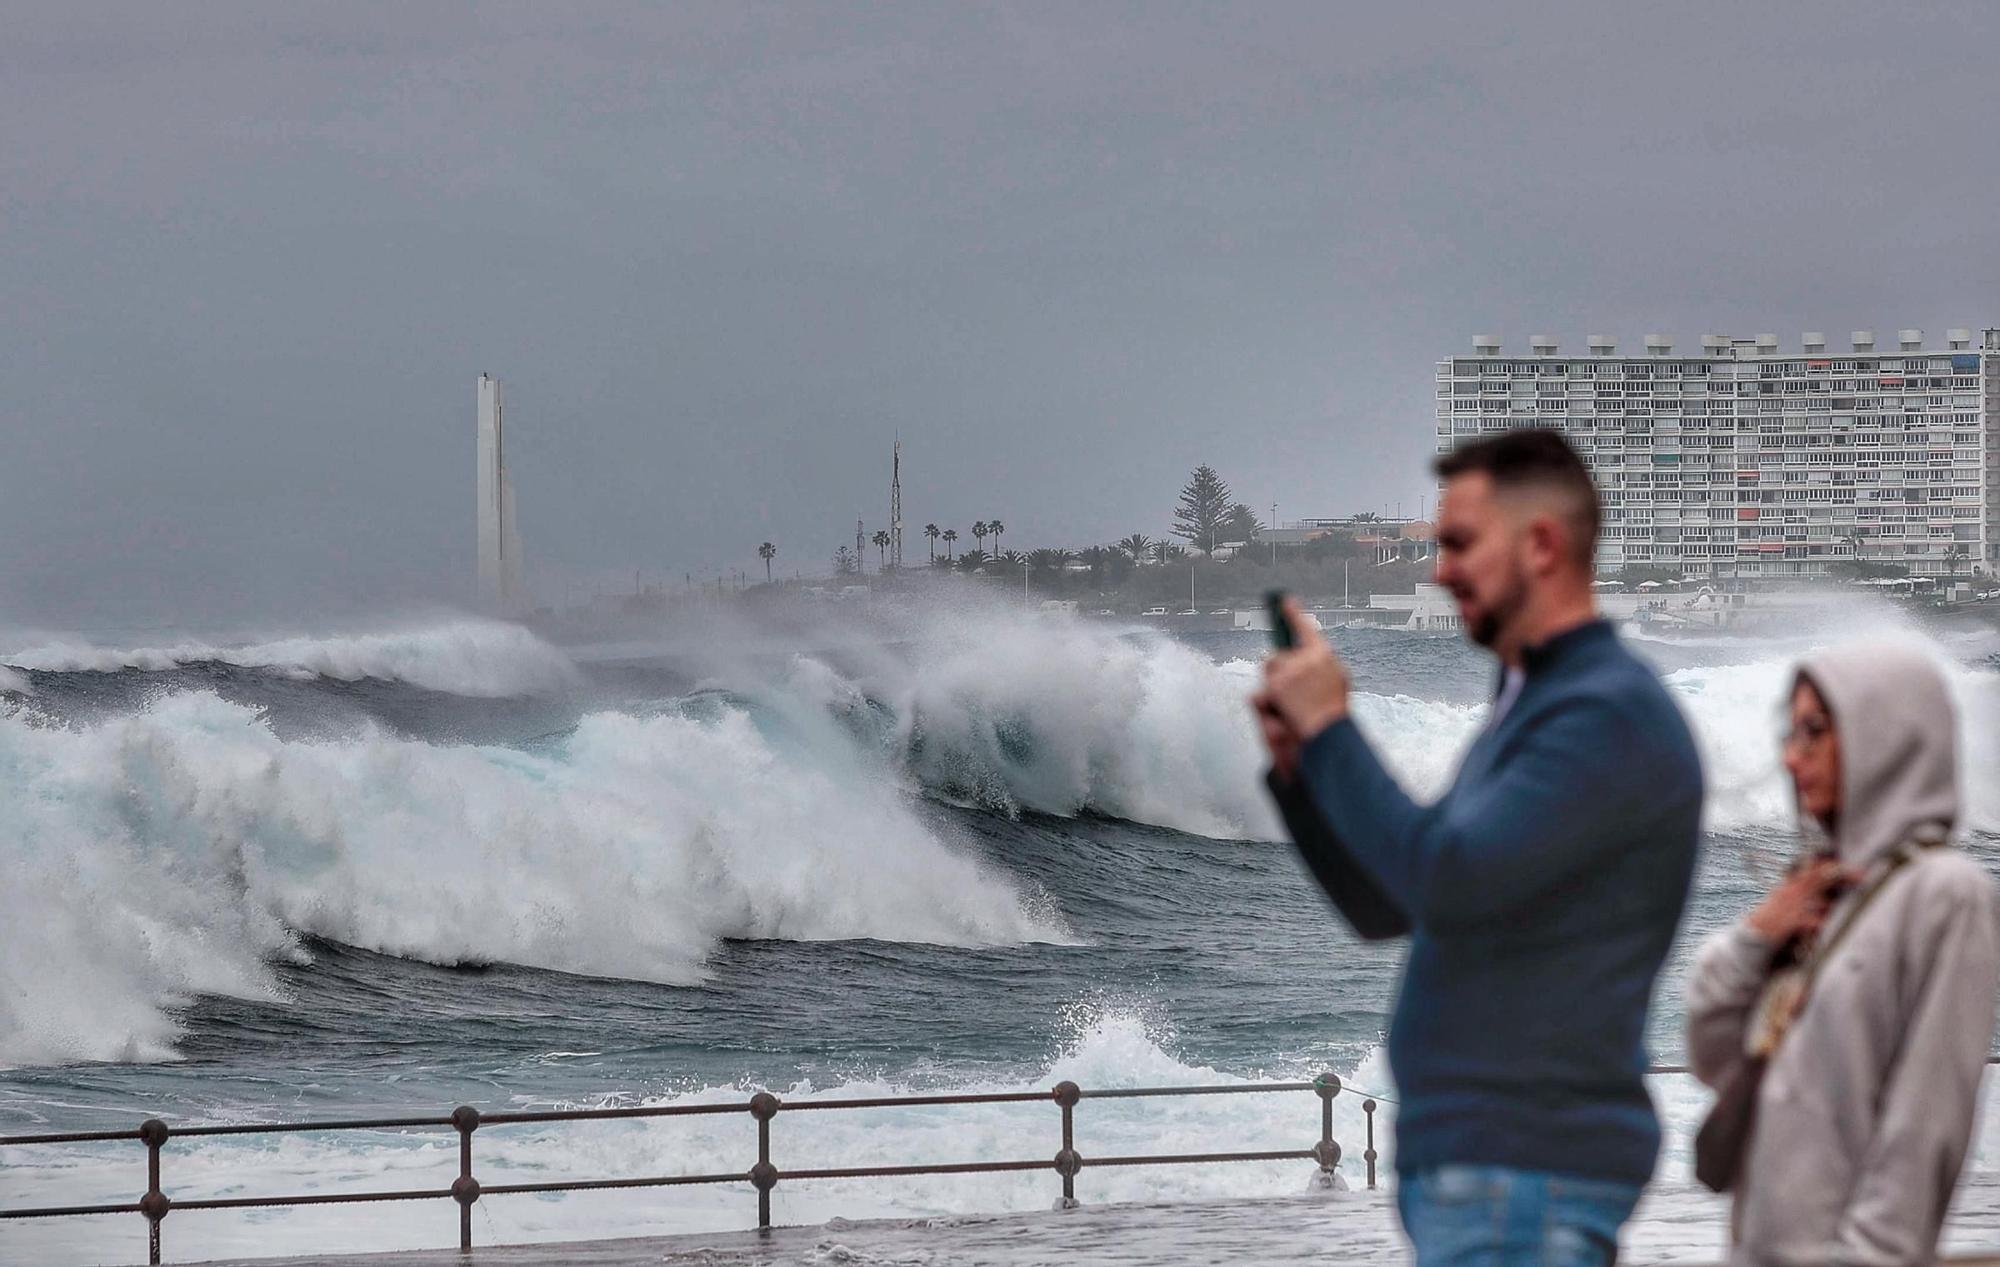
1678,1224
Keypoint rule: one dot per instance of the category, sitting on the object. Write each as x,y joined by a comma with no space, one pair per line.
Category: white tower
499,542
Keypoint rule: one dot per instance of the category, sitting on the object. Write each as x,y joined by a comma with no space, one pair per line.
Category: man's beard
1495,619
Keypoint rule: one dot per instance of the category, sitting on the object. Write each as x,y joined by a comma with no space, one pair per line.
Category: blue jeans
1494,1216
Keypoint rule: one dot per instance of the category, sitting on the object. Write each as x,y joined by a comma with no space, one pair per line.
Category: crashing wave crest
178,850
1068,718
467,657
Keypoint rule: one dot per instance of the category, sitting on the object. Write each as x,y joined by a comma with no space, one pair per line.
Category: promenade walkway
1678,1224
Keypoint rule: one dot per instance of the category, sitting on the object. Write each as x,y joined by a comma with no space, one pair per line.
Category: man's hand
1305,689
1279,737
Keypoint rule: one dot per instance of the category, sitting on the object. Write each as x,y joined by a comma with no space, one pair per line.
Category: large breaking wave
179,848
1065,718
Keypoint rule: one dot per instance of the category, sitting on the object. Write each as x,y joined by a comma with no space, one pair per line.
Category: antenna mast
896,507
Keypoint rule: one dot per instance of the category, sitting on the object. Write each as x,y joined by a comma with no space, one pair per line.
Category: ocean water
258,880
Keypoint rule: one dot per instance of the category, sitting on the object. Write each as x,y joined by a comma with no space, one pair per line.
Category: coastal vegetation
1216,552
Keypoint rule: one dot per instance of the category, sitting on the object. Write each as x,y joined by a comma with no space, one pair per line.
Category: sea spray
460,657
1065,716
175,851
1059,716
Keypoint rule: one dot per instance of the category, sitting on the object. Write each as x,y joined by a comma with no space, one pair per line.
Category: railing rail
763,1175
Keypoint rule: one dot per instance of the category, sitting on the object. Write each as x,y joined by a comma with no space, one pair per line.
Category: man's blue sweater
1541,894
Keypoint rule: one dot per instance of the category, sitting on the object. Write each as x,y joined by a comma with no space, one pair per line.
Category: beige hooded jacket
1867,1106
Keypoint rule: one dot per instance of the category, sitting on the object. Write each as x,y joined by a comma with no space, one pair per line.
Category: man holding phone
1540,893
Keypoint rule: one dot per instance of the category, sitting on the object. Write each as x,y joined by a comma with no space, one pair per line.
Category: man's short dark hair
1539,459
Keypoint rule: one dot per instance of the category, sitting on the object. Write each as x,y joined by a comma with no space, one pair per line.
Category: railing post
1326,1152
764,1106
465,1189
154,1205
1368,1107
1068,1161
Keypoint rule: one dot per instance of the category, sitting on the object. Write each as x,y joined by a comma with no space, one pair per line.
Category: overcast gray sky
253,258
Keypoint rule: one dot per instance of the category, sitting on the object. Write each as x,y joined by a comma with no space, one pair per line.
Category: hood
1898,745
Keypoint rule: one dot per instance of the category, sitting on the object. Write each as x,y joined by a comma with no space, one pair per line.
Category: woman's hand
1799,904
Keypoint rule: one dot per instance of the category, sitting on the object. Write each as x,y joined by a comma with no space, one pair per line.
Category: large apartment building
1748,461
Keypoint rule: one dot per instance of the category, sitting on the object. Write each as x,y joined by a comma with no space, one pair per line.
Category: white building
499,542
1748,461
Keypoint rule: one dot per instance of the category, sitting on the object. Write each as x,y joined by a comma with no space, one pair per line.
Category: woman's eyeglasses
1807,733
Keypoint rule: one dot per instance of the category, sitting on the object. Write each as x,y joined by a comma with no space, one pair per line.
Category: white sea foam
1107,1050
1735,713
462,657
12,683
178,850
1063,716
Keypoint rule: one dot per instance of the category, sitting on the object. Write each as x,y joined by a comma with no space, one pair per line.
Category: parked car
1155,611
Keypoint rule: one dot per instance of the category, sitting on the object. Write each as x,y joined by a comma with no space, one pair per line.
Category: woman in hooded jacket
1852,1008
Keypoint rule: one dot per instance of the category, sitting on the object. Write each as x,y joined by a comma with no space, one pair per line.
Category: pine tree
1240,524
1204,505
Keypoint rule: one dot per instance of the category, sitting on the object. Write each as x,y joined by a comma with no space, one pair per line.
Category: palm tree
1137,545
931,534
881,540
979,531
1957,555
767,552
993,529
950,535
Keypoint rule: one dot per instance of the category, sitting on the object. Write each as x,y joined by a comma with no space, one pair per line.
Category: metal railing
764,1175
